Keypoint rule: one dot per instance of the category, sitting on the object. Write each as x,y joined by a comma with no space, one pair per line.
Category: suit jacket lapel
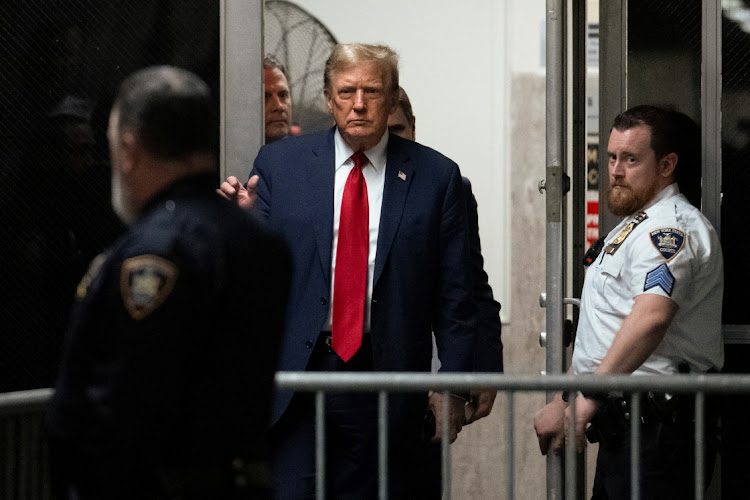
319,189
398,177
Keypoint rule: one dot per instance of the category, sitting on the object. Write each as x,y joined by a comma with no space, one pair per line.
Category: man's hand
549,426
233,190
456,415
480,404
585,411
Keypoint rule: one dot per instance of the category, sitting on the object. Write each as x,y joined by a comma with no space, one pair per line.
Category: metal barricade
24,456
383,383
24,459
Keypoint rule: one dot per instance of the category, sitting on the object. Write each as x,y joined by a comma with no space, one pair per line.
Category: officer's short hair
660,121
170,110
671,132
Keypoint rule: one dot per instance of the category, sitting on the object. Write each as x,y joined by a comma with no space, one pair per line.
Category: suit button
309,344
323,301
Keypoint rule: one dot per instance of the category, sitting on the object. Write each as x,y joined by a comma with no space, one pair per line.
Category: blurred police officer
651,304
154,400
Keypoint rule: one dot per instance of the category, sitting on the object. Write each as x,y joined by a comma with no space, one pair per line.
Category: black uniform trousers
667,461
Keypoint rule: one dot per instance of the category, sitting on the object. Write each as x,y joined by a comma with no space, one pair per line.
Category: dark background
62,62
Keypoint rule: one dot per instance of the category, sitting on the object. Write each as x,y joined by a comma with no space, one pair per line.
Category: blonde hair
346,54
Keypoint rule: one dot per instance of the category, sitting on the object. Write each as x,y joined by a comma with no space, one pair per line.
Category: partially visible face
120,202
399,124
635,174
278,104
360,98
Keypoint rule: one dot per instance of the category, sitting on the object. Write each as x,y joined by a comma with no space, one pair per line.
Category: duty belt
612,421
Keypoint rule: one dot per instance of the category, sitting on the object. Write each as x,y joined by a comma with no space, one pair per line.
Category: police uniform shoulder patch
668,241
145,282
661,277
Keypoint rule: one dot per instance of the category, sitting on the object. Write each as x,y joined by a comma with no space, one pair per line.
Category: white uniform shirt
674,253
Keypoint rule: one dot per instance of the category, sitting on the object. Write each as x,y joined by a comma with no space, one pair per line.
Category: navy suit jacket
488,351
422,266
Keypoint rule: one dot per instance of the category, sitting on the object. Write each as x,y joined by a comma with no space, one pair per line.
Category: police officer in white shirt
651,304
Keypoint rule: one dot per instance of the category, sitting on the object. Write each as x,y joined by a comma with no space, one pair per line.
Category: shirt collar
665,193
377,154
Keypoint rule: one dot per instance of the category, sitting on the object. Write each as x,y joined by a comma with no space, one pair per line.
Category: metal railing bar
509,439
9,447
383,445
700,407
460,382
570,451
22,401
635,446
25,401
320,446
445,448
35,478
24,459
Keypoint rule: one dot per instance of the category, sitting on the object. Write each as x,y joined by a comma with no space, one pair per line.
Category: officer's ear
668,164
132,152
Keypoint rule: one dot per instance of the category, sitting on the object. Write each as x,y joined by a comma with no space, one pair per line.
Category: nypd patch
661,277
668,241
145,282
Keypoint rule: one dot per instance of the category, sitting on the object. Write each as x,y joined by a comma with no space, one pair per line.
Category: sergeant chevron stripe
661,277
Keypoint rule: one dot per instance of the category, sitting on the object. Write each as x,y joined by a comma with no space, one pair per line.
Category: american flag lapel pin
401,175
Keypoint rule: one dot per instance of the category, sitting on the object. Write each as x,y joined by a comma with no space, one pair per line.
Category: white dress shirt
374,173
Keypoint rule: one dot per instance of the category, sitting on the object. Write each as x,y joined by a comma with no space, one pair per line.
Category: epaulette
612,247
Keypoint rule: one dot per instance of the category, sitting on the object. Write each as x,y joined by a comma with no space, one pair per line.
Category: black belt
325,340
612,421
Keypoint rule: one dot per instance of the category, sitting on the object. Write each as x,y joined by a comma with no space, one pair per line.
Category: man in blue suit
488,346
417,277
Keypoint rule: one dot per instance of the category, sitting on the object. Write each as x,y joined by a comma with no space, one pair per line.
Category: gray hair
344,55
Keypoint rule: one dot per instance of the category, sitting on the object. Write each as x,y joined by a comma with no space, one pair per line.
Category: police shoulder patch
145,282
668,241
661,277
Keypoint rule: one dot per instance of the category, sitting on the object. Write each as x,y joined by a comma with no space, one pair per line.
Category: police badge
668,241
145,282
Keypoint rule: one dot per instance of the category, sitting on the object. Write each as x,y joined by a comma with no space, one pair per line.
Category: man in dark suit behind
488,346
417,277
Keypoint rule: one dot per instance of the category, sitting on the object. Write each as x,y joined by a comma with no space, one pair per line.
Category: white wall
456,57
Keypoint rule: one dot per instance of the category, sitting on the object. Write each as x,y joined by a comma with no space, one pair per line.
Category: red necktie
350,281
